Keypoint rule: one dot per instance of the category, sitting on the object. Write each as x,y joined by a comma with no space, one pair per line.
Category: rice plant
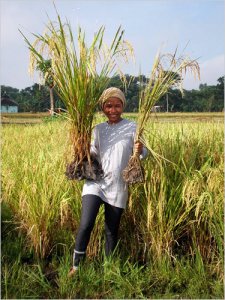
80,73
27,178
171,235
167,72
182,213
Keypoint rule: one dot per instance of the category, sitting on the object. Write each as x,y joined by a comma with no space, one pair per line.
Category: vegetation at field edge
33,118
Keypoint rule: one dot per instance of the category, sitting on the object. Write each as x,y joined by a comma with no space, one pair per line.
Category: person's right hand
138,147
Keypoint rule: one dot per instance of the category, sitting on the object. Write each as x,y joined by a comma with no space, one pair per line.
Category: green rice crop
175,218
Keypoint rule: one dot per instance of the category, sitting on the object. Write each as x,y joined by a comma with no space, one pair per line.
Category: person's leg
90,208
112,222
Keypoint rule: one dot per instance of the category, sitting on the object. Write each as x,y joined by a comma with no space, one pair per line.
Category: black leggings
90,208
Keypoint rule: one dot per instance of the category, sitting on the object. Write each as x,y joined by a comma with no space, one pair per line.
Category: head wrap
112,92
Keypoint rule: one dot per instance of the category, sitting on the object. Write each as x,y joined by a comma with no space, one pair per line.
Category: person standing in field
113,144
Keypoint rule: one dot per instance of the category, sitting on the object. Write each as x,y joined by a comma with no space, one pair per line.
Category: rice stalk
80,72
168,71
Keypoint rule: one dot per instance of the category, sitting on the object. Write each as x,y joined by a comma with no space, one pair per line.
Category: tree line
208,98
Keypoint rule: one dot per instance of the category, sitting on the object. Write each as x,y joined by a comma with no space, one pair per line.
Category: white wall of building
9,109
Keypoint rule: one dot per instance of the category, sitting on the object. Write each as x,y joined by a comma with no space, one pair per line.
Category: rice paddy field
172,231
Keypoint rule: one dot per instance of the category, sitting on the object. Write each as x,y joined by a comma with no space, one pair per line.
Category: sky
196,27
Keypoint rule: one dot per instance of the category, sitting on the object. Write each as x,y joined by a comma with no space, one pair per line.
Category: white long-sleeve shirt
113,146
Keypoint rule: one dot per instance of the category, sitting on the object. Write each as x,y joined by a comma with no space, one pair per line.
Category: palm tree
45,66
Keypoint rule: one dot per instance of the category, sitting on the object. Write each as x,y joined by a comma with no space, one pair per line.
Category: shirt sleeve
94,143
144,153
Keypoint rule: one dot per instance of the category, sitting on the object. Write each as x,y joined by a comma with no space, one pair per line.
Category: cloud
210,71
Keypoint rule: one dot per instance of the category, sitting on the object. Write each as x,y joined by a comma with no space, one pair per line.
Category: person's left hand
138,146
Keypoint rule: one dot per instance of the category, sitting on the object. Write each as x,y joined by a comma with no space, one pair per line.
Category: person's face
113,109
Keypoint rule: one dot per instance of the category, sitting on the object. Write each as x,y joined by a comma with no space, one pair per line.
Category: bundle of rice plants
167,72
80,73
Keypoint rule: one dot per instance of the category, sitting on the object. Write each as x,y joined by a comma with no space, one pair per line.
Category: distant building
156,108
8,105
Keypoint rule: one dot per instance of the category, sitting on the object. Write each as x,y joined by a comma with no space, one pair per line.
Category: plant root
84,170
134,172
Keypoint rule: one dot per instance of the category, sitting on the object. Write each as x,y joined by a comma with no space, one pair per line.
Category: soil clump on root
84,170
134,172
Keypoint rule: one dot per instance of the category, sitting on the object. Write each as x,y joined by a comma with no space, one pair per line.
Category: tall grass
175,218
111,279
